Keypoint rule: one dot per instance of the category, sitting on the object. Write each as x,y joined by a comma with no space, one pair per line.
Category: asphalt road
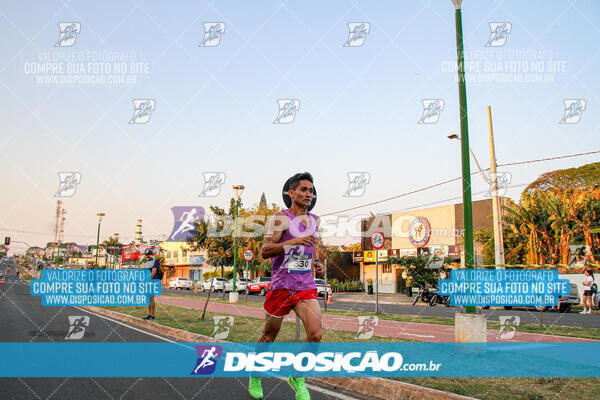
24,319
527,316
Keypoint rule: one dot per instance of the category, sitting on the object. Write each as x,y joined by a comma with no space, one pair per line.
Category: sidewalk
384,298
395,329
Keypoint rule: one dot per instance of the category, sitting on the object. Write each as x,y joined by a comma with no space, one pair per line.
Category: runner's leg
270,331
151,306
310,313
271,328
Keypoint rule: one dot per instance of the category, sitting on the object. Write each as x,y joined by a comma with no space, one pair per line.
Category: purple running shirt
293,268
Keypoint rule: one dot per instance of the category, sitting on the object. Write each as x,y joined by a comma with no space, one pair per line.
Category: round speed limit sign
248,255
377,240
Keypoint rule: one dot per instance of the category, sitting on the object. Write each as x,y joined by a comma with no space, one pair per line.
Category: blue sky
215,106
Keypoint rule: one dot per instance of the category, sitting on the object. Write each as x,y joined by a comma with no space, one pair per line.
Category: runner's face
303,195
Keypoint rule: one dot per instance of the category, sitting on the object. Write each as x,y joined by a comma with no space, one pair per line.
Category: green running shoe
300,388
255,388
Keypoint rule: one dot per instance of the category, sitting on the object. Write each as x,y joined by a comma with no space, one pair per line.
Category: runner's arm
153,273
277,226
318,266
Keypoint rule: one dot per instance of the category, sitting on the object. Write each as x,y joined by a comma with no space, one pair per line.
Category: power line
549,158
458,179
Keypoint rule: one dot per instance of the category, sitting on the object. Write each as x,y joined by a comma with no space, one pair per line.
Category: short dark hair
295,181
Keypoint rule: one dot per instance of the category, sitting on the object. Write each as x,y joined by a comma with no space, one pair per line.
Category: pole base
470,328
233,297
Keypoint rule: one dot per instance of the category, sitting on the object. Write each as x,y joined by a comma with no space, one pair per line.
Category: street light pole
99,215
464,133
237,190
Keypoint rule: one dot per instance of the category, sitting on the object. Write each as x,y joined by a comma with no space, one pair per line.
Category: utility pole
496,206
464,136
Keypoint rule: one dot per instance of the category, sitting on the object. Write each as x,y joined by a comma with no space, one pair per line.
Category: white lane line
329,392
416,335
125,325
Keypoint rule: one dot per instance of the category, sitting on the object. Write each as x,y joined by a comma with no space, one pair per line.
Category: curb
372,388
395,303
173,333
383,389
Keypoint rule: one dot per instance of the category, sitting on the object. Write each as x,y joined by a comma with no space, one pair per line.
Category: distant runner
290,243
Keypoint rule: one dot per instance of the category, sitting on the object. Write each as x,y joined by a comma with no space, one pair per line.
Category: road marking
329,392
125,325
416,335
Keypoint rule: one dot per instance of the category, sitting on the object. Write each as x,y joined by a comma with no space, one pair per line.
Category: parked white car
214,285
321,288
180,283
240,285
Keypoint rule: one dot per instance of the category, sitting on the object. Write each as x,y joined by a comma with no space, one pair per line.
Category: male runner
290,243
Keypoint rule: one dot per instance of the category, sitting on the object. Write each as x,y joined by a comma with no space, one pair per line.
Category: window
184,253
387,269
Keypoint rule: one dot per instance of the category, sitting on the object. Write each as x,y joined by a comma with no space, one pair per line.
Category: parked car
180,283
564,302
240,285
214,285
260,284
321,288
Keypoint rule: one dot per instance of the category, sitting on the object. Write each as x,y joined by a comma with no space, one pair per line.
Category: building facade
435,231
183,262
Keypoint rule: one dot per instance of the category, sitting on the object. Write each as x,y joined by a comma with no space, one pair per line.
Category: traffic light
7,240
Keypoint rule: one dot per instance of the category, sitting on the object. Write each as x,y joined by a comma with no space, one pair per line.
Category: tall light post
237,191
493,182
464,133
99,215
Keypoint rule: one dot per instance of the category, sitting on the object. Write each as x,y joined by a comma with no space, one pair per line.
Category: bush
350,285
217,274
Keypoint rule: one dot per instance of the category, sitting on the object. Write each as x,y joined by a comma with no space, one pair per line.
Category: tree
583,178
216,235
263,201
515,248
418,268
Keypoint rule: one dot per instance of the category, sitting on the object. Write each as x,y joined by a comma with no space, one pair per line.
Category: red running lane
396,329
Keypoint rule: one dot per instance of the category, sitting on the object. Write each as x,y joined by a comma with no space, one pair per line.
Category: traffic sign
248,255
377,240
